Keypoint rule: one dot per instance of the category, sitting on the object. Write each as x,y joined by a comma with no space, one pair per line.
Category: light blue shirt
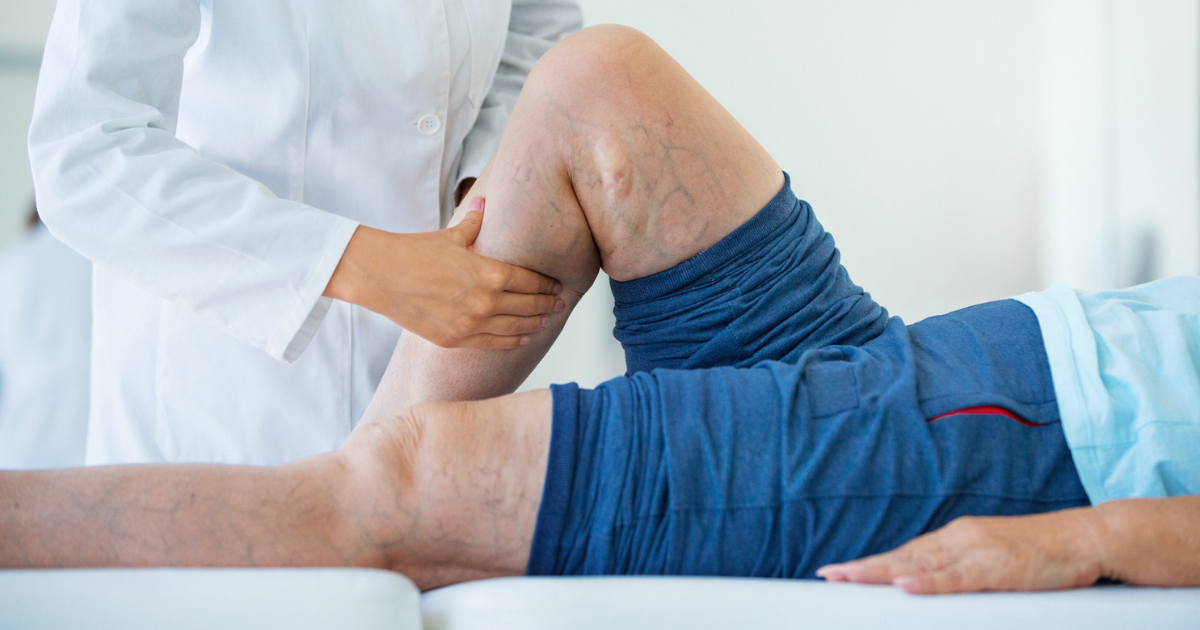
1126,370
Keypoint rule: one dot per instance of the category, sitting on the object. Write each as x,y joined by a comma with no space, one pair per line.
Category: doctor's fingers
507,325
523,305
484,341
521,280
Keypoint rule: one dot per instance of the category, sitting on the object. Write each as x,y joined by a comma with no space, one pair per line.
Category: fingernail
557,288
545,321
524,340
830,574
476,204
559,305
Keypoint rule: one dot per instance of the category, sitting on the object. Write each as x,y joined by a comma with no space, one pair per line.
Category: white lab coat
45,326
213,158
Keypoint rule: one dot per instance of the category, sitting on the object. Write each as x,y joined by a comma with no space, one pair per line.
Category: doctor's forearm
188,515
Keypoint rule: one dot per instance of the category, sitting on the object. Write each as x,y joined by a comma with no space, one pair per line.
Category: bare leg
615,157
442,493
181,515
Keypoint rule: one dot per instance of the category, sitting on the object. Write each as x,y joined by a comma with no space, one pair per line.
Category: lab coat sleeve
534,27
115,184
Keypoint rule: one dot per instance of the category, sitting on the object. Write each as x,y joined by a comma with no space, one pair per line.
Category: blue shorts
808,427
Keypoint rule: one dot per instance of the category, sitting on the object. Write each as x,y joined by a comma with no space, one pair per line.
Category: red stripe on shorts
985,410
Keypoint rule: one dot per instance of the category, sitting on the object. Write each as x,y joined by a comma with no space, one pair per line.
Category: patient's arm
1148,542
613,157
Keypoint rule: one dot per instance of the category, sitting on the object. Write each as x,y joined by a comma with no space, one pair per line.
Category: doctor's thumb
467,230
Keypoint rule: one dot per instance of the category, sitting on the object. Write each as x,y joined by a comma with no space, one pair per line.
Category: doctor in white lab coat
215,160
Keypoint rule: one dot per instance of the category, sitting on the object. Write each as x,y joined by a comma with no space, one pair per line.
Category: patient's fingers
885,567
957,579
923,553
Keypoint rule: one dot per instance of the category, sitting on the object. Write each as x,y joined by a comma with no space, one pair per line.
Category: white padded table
633,603
362,599
208,599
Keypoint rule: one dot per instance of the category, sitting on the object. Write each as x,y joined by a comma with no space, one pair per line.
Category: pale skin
614,158
435,286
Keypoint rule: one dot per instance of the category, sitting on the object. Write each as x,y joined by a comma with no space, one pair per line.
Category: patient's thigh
780,468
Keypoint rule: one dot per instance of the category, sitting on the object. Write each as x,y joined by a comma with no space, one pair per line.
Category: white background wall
1121,140
23,25
917,130
912,128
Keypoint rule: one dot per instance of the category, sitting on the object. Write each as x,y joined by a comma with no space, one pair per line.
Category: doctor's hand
1147,542
433,285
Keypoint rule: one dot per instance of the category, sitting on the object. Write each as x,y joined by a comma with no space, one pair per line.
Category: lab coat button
429,124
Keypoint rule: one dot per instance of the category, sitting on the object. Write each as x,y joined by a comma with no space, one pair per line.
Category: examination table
364,599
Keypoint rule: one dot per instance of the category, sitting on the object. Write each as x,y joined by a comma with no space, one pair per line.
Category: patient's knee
404,458
443,442
479,457
597,50
601,83
598,69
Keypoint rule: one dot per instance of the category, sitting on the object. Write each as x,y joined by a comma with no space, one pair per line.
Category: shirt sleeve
534,27
115,184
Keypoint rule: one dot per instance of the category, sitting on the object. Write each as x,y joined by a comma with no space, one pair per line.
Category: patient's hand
1028,553
1150,542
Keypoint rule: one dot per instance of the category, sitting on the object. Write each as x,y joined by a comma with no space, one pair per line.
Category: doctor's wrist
351,280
